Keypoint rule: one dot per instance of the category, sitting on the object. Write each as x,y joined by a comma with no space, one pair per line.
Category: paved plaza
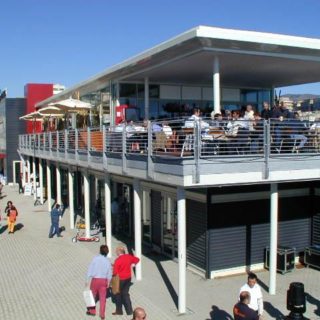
44,278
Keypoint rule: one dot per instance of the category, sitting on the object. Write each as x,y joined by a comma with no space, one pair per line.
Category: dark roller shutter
227,247
156,218
295,233
316,229
196,233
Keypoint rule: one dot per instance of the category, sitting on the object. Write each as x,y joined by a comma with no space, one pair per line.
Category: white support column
24,180
137,225
169,209
107,200
34,178
49,196
146,98
273,238
71,199
41,181
29,170
216,85
58,181
86,204
182,251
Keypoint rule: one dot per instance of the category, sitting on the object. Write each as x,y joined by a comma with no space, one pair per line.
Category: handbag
115,284
88,298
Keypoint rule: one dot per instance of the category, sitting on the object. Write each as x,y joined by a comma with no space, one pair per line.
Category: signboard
28,189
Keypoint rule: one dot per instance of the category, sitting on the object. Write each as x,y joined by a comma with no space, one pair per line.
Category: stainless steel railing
186,138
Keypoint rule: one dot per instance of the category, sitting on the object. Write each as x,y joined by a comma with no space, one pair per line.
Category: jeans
123,298
301,138
54,229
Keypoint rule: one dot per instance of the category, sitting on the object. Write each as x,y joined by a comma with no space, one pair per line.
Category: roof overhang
247,59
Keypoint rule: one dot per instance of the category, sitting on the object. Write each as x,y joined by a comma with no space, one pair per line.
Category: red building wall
34,93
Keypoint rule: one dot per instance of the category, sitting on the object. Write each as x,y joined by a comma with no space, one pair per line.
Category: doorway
169,225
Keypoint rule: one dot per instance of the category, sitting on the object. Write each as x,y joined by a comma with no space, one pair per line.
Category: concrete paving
42,278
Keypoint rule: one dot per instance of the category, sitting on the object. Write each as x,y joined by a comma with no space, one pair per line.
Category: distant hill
299,97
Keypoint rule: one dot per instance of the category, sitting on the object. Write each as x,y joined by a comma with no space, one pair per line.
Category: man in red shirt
122,268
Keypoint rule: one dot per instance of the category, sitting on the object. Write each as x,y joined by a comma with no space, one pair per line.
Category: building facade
210,204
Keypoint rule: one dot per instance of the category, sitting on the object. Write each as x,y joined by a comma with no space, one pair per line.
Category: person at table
190,122
257,134
167,129
299,129
238,128
217,121
266,113
249,117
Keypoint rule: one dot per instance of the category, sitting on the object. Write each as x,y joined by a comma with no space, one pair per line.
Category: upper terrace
188,153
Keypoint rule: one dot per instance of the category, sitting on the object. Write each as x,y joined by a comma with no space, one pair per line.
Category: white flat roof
268,51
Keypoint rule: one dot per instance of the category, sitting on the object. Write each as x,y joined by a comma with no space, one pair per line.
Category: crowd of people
232,132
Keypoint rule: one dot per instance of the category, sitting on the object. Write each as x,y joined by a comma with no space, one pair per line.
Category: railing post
66,143
58,142
150,151
89,144
76,143
104,147
266,147
50,144
124,149
197,150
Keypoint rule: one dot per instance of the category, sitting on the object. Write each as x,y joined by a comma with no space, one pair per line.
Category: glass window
140,91
154,91
128,90
249,96
128,101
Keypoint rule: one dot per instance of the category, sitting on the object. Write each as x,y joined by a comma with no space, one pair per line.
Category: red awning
2,155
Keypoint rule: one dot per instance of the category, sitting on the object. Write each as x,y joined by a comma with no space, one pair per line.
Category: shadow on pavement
18,227
314,301
263,285
273,312
3,229
157,259
218,314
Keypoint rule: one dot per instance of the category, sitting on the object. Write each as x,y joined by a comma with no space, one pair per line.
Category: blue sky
67,41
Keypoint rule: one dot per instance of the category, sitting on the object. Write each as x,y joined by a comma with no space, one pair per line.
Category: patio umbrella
51,111
34,116
71,105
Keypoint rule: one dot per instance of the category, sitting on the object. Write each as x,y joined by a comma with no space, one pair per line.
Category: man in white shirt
254,289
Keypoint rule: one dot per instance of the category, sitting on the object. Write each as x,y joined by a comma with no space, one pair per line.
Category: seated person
156,127
167,129
298,131
217,121
190,122
256,134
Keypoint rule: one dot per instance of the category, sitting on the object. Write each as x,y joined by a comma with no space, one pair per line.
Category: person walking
99,275
241,310
12,213
256,301
122,268
139,314
55,217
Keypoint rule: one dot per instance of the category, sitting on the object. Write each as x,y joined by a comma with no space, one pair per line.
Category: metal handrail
180,138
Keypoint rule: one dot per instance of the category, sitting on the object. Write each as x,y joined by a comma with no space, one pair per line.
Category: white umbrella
51,111
71,105
34,116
